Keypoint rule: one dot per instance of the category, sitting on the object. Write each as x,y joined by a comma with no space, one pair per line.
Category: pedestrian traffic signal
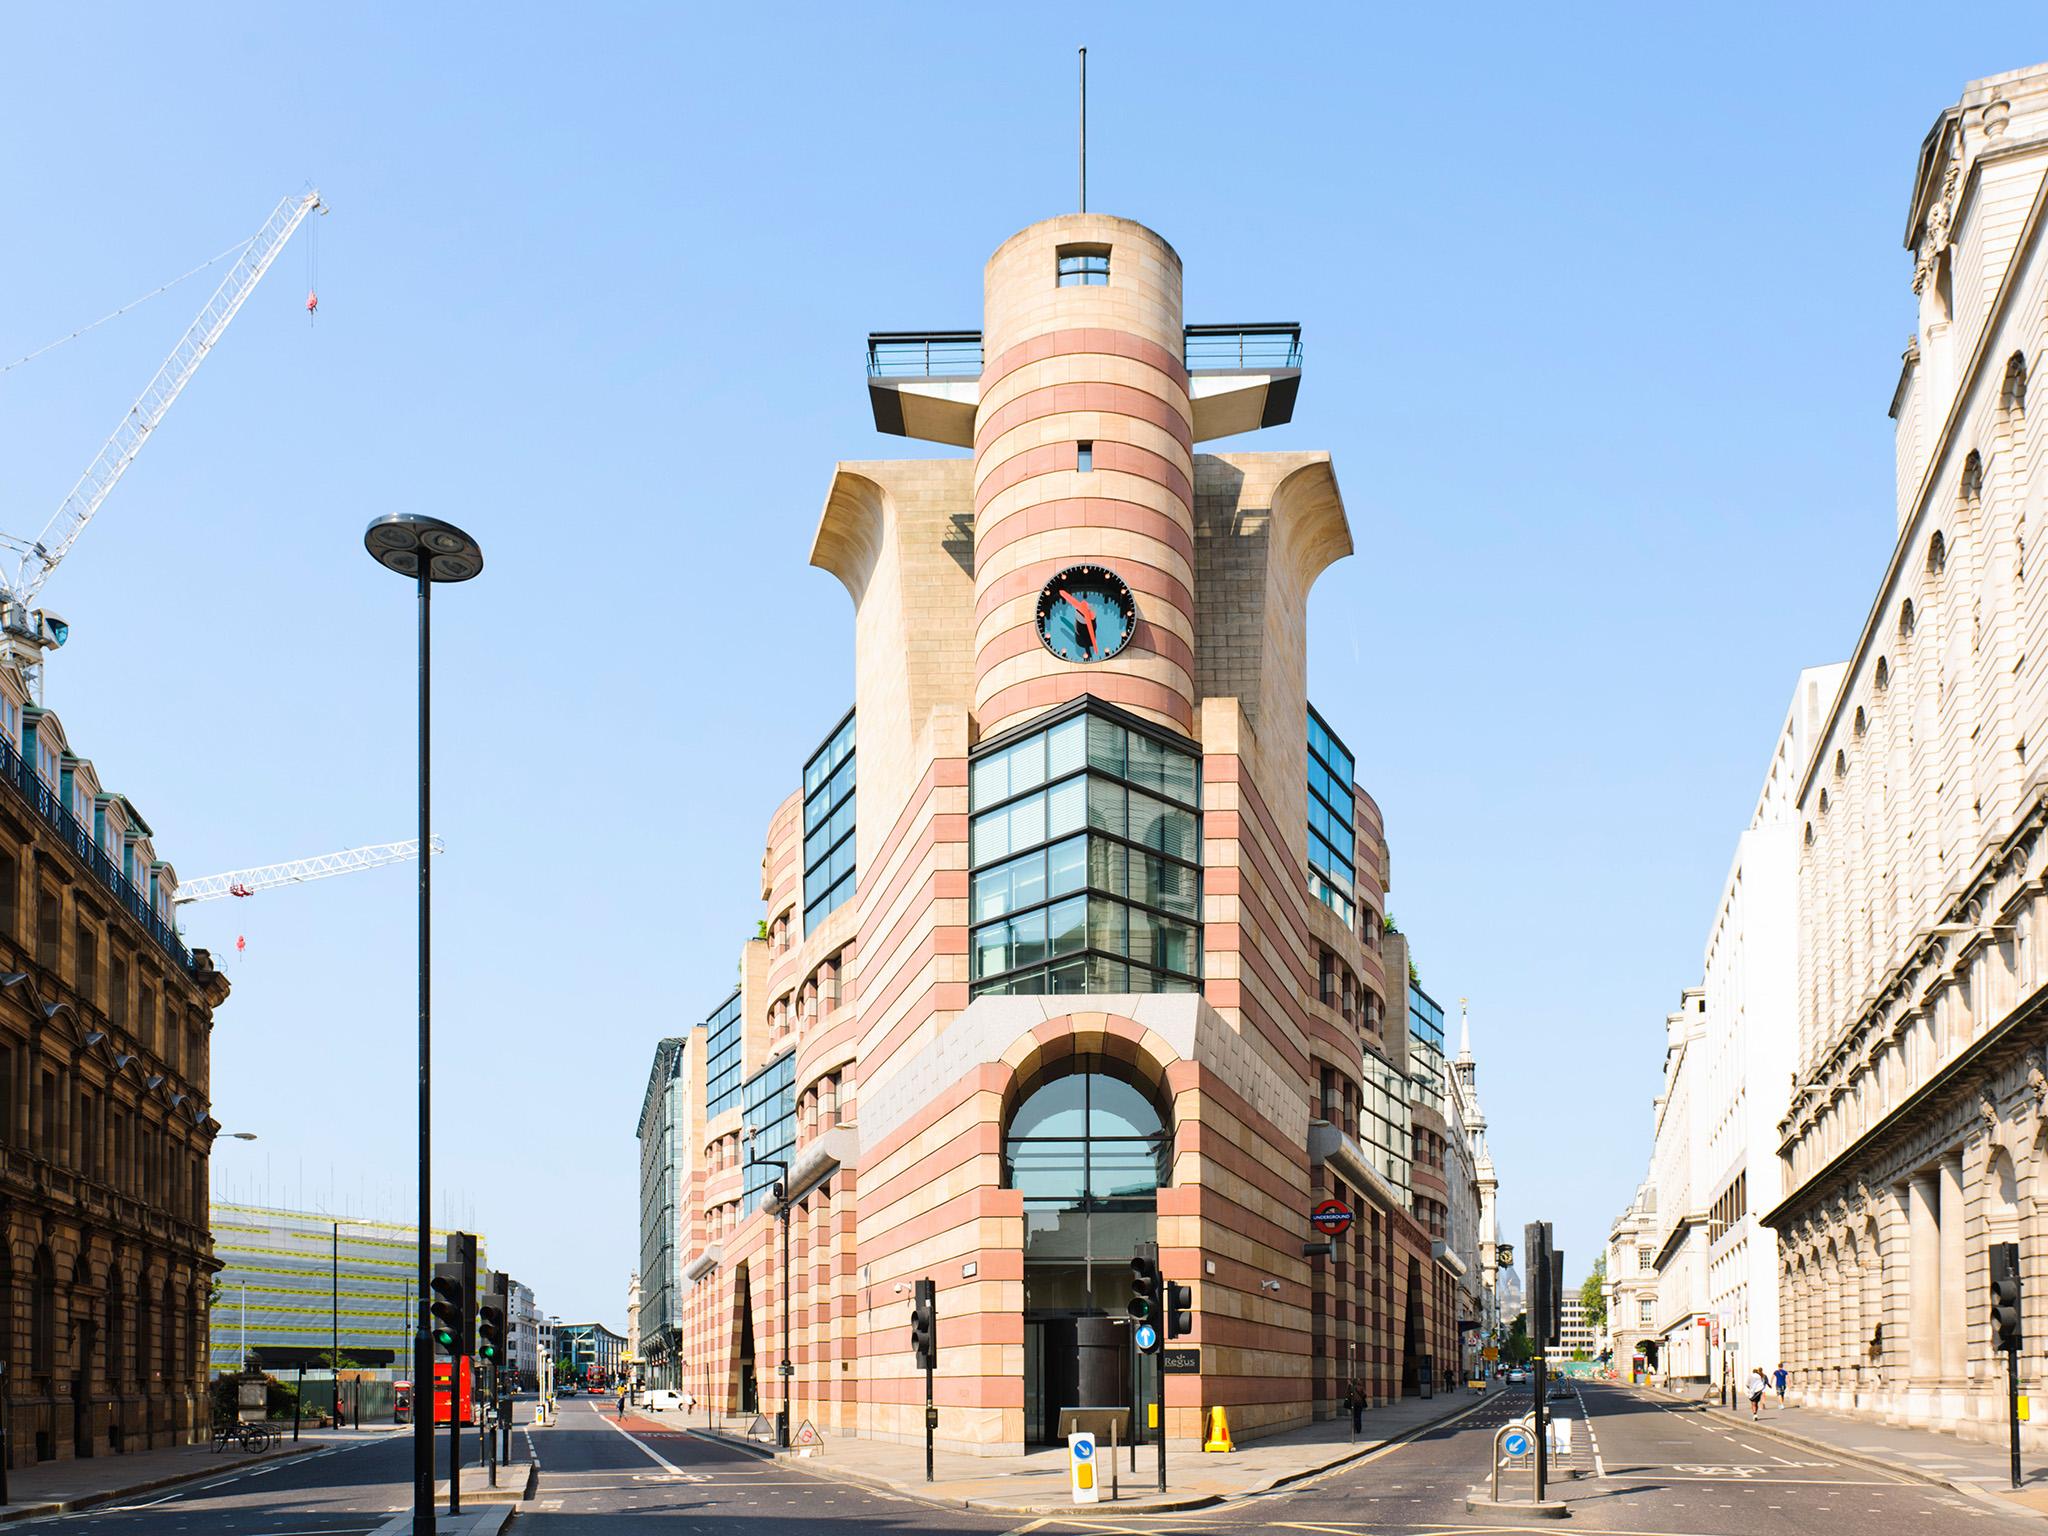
1144,1282
1554,1325
451,1299
1180,1310
924,1325
2005,1296
490,1324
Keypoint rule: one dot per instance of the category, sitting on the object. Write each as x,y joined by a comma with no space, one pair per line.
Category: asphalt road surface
1650,1468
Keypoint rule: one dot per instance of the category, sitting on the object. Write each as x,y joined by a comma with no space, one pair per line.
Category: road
1652,1469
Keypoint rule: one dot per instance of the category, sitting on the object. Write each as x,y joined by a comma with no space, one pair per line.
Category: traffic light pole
931,1416
1542,1439
455,1433
2012,1408
1159,1395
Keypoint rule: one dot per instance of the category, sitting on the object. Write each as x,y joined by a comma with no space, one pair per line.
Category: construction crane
27,632
247,882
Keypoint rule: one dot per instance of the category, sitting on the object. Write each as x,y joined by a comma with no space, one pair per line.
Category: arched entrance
748,1388
1088,1149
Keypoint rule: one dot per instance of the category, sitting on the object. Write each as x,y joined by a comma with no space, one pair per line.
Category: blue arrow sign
1147,1338
1516,1444
1084,1450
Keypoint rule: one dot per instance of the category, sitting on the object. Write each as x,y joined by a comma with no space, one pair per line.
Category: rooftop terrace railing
1208,348
49,806
924,354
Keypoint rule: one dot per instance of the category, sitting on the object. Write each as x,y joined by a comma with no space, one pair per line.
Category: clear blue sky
1602,316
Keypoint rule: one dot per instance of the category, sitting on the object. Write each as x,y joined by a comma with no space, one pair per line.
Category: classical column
1954,1292
1923,1283
1831,1351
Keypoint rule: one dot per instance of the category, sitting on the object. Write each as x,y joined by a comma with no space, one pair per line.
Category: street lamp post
427,550
785,1370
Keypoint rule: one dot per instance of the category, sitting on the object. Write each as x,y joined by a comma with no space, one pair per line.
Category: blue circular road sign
1147,1336
1084,1450
1516,1444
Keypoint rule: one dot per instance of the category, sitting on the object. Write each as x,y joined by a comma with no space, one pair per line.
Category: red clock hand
1087,613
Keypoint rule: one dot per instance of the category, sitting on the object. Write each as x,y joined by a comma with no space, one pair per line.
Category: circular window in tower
1086,613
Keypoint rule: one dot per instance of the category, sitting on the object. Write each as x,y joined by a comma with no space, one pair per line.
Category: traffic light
490,1324
451,1298
924,1325
1180,1310
1144,1282
2005,1296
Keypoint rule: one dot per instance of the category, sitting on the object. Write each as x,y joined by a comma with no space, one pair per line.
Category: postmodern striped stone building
1916,1136
1095,958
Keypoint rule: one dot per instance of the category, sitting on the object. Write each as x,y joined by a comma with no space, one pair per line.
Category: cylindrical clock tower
1083,477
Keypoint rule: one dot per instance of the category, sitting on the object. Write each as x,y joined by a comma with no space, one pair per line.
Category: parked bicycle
254,1436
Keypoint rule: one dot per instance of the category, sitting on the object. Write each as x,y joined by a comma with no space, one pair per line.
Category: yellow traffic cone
1219,1432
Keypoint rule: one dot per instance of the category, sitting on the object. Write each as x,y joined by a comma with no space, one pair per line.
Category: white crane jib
247,882
25,634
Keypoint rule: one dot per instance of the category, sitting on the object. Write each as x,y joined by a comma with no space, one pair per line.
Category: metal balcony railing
924,354
1204,348
1210,348
49,806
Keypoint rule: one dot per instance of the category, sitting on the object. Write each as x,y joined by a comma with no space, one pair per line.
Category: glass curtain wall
724,1041
828,825
1331,875
1089,1152
1086,852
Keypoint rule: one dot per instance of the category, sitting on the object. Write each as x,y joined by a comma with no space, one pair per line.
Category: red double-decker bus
442,1371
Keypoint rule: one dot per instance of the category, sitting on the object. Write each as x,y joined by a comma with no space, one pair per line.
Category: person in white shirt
1756,1386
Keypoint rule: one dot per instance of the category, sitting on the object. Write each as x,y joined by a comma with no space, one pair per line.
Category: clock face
1086,613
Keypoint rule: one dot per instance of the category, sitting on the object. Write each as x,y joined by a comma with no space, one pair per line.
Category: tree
1515,1348
1593,1295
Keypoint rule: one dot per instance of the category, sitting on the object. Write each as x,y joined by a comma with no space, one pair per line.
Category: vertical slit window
829,873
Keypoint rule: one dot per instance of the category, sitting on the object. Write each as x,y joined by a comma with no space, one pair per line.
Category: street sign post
1081,1468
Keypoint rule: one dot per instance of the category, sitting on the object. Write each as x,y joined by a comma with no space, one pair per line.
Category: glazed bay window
1086,848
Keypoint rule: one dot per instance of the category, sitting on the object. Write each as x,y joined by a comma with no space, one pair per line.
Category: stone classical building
106,1020
1475,1227
1745,1049
1099,959
1679,1221
1914,1138
1632,1285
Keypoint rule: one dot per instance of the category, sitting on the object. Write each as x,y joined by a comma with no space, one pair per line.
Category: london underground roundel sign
1332,1218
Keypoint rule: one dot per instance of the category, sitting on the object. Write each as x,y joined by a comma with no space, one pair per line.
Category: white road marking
647,1450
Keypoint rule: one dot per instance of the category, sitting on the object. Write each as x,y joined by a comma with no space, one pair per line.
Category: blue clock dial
1086,613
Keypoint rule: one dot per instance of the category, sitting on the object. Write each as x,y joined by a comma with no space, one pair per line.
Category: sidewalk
1974,1467
58,1487
1036,1482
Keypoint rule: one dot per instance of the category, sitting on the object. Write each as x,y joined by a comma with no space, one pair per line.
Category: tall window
828,825
1090,1153
1331,876
771,1110
1086,851
724,1039
1384,1123
1084,266
1426,1049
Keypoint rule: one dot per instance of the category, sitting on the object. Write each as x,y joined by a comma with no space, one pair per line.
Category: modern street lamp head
415,545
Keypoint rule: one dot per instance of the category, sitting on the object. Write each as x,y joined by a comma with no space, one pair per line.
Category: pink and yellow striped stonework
1066,366
904,1085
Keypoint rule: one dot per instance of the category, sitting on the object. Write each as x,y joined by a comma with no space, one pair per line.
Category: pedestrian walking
1756,1386
1779,1377
622,1402
1355,1401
